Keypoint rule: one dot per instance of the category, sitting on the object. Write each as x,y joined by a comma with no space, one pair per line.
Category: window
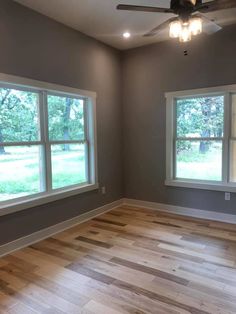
201,138
47,141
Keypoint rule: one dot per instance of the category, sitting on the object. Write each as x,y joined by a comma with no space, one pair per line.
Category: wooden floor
126,261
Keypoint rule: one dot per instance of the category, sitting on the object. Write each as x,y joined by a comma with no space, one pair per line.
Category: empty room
118,156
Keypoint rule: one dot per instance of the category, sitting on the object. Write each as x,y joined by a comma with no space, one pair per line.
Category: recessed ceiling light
126,35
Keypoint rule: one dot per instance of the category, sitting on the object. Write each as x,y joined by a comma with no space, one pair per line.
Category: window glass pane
200,160
233,161
200,117
69,165
20,171
19,118
65,118
234,115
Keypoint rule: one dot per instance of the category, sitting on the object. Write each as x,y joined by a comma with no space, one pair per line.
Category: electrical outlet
103,189
227,196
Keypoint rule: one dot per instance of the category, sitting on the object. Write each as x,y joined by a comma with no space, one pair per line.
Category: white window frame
43,89
224,185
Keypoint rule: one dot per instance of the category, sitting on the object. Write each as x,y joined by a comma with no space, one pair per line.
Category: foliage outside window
44,142
201,139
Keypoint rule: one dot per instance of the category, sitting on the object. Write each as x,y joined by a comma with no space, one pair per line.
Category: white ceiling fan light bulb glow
193,2
195,26
175,29
126,35
185,34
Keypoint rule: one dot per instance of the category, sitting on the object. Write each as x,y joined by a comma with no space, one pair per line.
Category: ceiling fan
189,20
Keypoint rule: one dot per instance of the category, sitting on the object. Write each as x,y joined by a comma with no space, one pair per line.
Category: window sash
49,143
198,140
30,90
58,94
86,143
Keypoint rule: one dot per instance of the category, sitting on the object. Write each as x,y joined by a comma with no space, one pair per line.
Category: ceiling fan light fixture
189,21
184,29
195,25
185,34
175,29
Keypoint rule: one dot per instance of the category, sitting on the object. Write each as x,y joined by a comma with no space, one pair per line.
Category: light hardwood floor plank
129,260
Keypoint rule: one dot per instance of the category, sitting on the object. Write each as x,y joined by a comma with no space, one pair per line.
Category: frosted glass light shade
175,29
195,25
185,34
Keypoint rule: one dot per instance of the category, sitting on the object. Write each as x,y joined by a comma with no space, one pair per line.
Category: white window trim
224,185
21,203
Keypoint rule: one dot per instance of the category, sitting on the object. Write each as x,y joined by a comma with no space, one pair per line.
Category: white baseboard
186,211
50,231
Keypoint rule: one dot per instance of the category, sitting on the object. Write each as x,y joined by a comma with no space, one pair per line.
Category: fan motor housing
180,5
184,8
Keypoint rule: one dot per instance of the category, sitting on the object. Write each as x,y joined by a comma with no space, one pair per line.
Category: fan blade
209,26
216,5
160,27
142,8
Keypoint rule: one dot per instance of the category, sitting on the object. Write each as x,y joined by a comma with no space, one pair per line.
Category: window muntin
32,163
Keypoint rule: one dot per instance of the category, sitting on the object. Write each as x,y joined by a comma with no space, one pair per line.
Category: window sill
211,186
43,198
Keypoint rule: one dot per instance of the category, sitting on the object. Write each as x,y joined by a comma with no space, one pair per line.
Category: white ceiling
101,20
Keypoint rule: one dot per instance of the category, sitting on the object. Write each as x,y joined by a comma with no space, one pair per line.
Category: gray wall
148,73
36,47
131,138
